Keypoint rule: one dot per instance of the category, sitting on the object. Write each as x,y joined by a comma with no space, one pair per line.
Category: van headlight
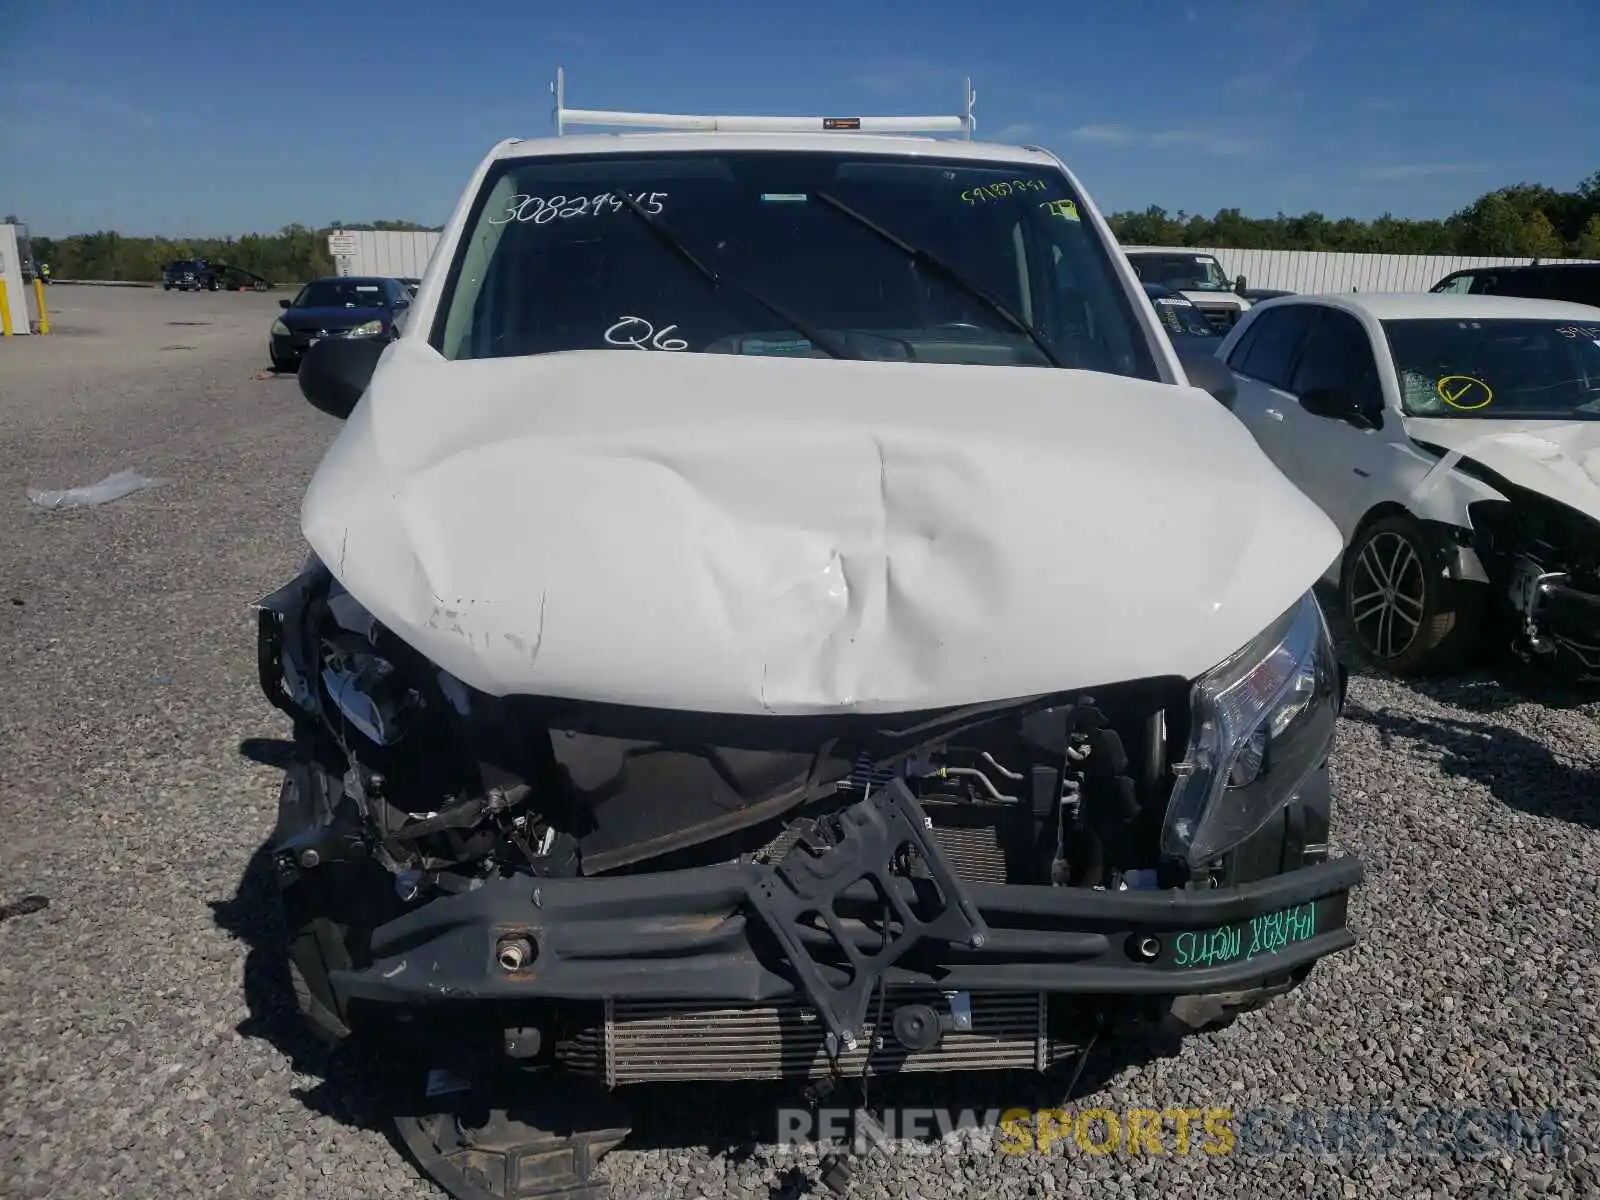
279,329
1261,722
366,329
369,692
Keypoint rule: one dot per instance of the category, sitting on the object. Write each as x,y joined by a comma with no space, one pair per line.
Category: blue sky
221,116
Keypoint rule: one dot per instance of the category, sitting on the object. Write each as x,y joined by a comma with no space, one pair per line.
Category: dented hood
767,535
1559,459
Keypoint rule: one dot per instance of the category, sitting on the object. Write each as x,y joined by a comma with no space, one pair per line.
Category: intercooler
645,1041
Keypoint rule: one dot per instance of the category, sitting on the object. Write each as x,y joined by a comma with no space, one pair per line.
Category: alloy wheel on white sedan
1407,614
1389,596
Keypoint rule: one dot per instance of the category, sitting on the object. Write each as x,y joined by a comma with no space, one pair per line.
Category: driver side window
1337,356
1274,342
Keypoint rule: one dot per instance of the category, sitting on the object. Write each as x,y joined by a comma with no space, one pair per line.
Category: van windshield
816,252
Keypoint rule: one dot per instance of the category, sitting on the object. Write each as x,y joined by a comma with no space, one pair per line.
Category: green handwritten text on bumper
1266,934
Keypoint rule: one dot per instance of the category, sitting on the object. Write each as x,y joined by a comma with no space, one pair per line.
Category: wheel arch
1384,508
1448,615
1451,541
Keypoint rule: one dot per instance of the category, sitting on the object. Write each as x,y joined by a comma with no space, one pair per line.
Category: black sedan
338,306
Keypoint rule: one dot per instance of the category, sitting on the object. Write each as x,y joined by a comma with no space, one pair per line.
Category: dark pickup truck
190,275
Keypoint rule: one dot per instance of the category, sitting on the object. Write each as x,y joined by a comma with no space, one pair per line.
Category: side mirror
285,303
1210,374
335,373
1240,284
1337,405
1328,402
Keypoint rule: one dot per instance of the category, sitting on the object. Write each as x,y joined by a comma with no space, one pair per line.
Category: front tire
1408,615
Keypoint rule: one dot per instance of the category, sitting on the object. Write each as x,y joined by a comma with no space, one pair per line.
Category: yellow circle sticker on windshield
1464,392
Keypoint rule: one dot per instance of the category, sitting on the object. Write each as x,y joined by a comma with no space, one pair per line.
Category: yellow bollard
5,308
38,294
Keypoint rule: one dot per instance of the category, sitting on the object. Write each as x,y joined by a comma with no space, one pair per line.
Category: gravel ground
145,1047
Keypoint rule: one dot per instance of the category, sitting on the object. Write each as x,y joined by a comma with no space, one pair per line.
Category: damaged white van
782,611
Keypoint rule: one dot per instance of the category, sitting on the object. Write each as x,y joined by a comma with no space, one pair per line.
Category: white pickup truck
1197,276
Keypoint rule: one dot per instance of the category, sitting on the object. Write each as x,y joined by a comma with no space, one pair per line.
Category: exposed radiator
650,1041
660,1041
975,850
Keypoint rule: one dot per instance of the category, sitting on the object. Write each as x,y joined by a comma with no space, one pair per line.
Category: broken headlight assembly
370,694
1261,723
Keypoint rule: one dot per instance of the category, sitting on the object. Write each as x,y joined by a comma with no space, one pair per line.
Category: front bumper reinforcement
742,934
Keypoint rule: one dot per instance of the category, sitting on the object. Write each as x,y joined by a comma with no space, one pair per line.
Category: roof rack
565,116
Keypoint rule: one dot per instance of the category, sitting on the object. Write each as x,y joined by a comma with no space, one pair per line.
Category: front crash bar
691,936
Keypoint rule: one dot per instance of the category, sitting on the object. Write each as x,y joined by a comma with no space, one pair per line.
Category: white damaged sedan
1455,441
782,608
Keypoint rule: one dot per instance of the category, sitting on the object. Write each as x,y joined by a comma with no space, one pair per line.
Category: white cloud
1019,132
1110,135
1276,42
1415,170
1203,141
906,75
1279,69
564,36
76,103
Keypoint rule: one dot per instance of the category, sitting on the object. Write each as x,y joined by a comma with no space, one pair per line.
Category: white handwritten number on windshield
641,335
542,210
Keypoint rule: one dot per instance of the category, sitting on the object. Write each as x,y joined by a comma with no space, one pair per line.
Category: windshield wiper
917,254
676,244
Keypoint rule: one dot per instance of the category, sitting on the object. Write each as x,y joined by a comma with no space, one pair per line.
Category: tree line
291,256
1525,220
1522,221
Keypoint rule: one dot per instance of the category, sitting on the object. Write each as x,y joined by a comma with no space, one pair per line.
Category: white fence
397,255
407,254
1308,271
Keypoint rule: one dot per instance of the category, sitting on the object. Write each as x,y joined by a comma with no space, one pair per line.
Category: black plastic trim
689,936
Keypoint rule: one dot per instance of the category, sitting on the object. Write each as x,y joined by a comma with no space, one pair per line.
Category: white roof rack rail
565,116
